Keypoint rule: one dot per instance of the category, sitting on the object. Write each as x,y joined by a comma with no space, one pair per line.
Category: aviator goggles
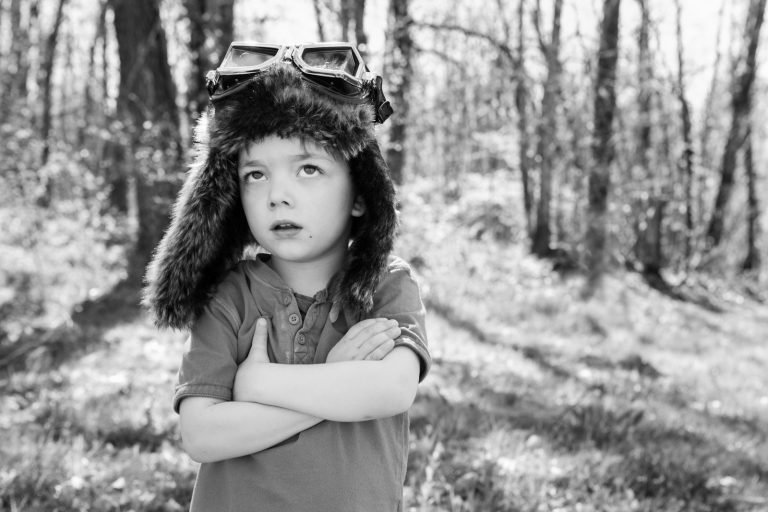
336,69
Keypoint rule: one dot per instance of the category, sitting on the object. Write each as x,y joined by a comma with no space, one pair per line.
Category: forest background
581,187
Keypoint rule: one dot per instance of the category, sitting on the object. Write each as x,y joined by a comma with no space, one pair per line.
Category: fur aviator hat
208,231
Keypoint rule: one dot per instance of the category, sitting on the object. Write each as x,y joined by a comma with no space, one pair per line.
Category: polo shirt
332,466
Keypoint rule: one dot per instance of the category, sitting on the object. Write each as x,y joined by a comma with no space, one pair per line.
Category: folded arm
342,391
213,430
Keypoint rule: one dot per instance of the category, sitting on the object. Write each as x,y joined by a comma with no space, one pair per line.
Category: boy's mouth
285,227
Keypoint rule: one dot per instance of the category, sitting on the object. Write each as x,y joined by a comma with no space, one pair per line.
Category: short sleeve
209,362
398,297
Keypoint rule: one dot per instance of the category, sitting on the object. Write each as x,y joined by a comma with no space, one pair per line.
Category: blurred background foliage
582,189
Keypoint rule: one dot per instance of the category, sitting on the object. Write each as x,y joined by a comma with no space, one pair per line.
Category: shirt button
293,318
300,338
286,299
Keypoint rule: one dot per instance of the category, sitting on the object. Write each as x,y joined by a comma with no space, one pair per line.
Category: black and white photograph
383,256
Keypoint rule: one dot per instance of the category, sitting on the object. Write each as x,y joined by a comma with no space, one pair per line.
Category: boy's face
298,199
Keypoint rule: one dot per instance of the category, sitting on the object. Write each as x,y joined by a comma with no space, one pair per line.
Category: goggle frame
368,85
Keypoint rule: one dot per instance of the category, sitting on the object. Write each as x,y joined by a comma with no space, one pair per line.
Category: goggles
336,69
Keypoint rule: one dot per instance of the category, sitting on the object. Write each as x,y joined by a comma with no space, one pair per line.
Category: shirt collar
258,269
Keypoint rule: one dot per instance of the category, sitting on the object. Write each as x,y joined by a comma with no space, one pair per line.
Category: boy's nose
274,203
279,195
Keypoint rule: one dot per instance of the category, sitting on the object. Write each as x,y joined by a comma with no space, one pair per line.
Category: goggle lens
248,57
336,59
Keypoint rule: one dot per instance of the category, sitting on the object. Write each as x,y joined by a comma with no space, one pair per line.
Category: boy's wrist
248,383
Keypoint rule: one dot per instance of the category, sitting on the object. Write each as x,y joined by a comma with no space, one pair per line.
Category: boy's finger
374,342
382,325
362,325
259,342
381,351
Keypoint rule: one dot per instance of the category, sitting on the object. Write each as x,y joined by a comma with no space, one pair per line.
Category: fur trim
208,230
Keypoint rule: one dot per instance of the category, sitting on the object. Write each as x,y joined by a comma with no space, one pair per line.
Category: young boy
287,159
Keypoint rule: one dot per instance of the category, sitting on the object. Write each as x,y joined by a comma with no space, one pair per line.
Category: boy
288,160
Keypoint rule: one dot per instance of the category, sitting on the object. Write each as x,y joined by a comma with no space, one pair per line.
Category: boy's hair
208,231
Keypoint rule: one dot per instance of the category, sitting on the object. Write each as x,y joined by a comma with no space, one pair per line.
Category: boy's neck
307,278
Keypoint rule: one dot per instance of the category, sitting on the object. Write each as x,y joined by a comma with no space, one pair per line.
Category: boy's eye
253,176
310,170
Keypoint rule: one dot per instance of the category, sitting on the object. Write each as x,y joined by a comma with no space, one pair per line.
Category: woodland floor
537,399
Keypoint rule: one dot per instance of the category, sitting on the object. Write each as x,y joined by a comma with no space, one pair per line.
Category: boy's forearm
213,430
343,391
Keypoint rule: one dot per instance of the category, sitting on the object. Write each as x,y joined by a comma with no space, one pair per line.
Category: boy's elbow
194,446
401,392
405,396
405,381
196,440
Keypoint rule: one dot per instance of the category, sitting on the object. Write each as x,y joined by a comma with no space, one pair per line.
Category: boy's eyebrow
296,157
307,154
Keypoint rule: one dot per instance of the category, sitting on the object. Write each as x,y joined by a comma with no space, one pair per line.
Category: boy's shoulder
396,263
398,284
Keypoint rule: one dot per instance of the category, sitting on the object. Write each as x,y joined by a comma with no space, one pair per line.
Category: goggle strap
359,100
383,107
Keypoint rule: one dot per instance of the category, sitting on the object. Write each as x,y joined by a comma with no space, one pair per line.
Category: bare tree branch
500,45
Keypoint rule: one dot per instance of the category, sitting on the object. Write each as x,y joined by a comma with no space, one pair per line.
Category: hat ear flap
206,237
369,252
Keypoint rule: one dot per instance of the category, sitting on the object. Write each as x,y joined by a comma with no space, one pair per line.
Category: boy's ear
358,208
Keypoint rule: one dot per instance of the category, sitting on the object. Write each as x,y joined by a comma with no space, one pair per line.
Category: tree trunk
46,72
210,32
361,38
647,249
89,86
345,17
752,260
602,146
14,76
686,160
397,70
319,19
645,75
547,134
147,102
706,129
740,106
521,104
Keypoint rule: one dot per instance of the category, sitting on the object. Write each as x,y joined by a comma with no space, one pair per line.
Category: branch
500,45
536,15
443,55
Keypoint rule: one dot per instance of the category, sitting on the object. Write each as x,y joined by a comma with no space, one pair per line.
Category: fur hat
208,231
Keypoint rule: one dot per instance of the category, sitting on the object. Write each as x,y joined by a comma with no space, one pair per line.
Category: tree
752,260
46,72
741,101
648,248
319,19
546,147
361,38
13,79
211,30
397,69
707,118
147,105
686,159
521,105
602,145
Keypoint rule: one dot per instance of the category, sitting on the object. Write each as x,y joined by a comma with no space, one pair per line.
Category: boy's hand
256,355
258,351
370,339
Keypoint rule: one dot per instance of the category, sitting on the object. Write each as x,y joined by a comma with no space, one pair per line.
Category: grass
537,400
